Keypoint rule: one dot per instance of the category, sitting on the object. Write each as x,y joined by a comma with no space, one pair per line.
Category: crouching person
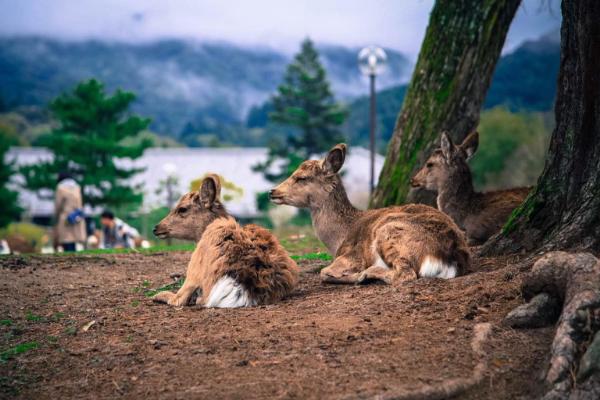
116,234
234,266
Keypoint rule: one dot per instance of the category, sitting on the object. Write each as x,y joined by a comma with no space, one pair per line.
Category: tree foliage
9,206
304,100
87,144
305,103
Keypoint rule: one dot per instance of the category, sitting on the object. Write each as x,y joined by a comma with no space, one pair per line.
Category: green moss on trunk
458,55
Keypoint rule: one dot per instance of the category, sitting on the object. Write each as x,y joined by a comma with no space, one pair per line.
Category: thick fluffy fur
388,244
234,266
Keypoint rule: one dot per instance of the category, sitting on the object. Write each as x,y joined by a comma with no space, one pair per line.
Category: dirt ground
324,342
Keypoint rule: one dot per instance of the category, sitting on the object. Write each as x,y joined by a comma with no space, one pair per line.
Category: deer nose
154,230
413,183
271,192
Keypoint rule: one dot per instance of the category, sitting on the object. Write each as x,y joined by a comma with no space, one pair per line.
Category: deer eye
182,210
429,165
301,178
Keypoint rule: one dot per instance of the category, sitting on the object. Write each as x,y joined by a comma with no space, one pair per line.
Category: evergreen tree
305,103
89,139
304,100
9,208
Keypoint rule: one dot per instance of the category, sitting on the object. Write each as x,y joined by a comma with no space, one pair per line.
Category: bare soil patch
323,342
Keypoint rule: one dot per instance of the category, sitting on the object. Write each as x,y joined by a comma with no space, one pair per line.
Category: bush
512,148
25,237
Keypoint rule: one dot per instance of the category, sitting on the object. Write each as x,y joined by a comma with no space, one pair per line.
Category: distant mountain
179,84
524,80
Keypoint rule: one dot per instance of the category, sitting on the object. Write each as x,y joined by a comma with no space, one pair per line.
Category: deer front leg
341,270
181,298
376,273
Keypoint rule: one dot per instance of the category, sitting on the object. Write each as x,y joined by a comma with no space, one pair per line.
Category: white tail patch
434,268
227,293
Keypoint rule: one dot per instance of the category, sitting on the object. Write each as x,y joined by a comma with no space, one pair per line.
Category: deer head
194,212
447,163
312,182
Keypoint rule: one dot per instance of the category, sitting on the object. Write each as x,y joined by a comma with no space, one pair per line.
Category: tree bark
456,62
563,210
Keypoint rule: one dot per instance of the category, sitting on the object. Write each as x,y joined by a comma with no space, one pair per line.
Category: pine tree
304,100
9,208
305,103
87,143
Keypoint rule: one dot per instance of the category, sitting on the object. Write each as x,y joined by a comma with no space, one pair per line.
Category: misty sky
399,24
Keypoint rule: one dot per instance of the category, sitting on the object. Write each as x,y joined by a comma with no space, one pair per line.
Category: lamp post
371,62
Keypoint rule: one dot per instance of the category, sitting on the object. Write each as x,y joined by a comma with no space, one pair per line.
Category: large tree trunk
457,59
563,210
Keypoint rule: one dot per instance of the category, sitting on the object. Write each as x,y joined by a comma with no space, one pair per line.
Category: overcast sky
399,24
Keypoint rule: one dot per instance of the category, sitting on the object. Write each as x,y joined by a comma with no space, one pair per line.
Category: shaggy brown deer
480,215
391,244
234,266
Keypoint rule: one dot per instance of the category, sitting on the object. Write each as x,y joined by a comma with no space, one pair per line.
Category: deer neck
456,196
333,218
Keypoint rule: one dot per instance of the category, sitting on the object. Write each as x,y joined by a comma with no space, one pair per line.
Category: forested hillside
218,94
202,86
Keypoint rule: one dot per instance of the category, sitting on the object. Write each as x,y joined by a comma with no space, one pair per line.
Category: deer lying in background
480,215
390,244
234,266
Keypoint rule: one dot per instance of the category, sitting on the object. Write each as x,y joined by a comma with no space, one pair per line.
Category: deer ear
447,146
470,144
335,158
210,190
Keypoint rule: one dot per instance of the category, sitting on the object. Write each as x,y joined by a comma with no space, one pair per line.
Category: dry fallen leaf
87,326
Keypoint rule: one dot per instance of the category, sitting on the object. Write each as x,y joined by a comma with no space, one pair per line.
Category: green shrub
34,235
512,148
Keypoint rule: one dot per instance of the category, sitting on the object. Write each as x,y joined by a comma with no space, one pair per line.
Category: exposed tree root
450,387
573,281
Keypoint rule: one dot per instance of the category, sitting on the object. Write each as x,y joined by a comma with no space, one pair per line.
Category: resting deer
234,266
391,244
480,215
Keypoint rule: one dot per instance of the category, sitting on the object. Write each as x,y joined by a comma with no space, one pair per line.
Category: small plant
135,303
57,316
18,349
29,316
71,330
52,339
172,286
6,322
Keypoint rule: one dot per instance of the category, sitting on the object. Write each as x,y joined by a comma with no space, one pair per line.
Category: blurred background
138,100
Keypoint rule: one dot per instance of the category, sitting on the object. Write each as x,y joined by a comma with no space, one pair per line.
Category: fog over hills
176,81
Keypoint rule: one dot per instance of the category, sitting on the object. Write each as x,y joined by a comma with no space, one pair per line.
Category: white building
188,164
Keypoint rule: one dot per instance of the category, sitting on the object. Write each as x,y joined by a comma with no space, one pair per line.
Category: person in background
68,213
116,233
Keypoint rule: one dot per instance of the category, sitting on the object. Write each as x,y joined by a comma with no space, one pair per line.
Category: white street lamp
371,62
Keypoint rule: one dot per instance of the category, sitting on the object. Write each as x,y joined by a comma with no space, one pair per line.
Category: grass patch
29,316
57,316
6,322
172,286
313,256
154,249
18,349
